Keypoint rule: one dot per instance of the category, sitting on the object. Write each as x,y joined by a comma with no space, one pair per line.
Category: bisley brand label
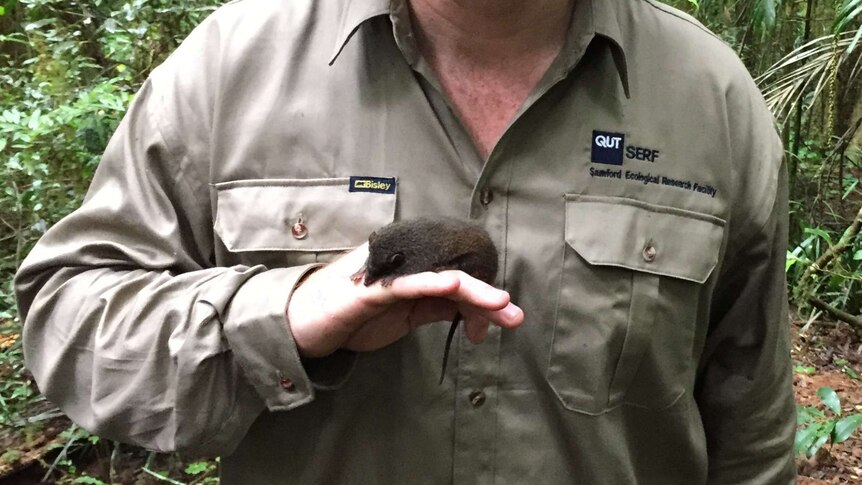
379,185
608,148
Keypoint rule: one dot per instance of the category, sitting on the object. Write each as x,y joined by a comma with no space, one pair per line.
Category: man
618,154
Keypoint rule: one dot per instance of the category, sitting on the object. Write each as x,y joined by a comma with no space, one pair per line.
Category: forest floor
824,355
835,354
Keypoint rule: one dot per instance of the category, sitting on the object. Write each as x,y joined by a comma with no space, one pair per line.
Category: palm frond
804,70
847,14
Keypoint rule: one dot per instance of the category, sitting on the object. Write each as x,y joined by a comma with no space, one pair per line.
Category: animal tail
449,338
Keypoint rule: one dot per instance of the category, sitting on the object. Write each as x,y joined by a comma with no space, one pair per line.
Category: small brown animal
438,244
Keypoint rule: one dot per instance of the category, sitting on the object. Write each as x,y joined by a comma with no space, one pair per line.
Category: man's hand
328,311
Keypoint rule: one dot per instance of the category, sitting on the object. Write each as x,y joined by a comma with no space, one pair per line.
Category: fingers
454,285
473,297
476,329
510,316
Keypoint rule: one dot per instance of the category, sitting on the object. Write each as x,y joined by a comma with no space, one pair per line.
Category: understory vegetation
69,69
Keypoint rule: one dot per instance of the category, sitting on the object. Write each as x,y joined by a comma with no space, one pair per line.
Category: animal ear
372,237
397,259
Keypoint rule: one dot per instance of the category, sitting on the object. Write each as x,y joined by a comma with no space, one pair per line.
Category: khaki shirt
637,199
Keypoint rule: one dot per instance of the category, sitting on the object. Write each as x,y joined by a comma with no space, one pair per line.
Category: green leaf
807,414
830,399
821,440
89,481
845,427
857,256
822,234
12,116
805,438
111,26
197,467
37,25
33,123
805,369
850,372
2,11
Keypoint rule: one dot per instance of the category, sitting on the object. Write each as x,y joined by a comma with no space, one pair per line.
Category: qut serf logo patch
608,147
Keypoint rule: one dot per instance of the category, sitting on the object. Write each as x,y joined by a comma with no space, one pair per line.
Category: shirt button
477,398
299,229
649,252
486,197
287,385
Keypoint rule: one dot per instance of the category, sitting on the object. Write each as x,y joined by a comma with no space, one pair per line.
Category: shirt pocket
631,285
281,222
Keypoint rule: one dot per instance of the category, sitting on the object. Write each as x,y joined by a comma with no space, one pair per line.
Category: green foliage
819,426
848,14
764,15
199,467
67,74
844,366
89,480
10,456
68,71
840,283
16,389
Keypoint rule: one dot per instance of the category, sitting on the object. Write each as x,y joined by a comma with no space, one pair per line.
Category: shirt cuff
259,336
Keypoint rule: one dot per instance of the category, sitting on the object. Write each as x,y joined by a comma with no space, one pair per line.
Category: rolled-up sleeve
129,326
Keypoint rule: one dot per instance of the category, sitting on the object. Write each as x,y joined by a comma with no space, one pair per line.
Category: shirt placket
476,366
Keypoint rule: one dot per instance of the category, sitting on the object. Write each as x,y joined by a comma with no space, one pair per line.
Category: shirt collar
591,18
606,22
356,13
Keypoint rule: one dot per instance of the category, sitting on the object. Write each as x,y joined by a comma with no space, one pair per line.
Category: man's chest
610,221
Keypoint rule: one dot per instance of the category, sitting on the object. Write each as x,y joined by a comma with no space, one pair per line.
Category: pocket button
649,252
477,398
299,229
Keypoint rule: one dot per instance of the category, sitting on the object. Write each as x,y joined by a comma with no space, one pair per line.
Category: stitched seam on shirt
281,183
659,209
664,9
320,249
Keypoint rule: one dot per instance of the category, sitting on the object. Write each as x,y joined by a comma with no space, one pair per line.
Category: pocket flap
257,215
614,231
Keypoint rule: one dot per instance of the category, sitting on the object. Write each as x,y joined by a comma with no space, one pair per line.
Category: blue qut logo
608,148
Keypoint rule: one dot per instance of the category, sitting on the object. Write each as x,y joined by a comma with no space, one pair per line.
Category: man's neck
488,33
489,55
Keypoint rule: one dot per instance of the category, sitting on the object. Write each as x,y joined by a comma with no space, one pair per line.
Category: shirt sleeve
744,386
129,326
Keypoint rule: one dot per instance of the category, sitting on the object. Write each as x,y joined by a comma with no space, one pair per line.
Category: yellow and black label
380,185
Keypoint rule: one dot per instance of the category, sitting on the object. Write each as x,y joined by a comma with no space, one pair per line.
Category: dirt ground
836,354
